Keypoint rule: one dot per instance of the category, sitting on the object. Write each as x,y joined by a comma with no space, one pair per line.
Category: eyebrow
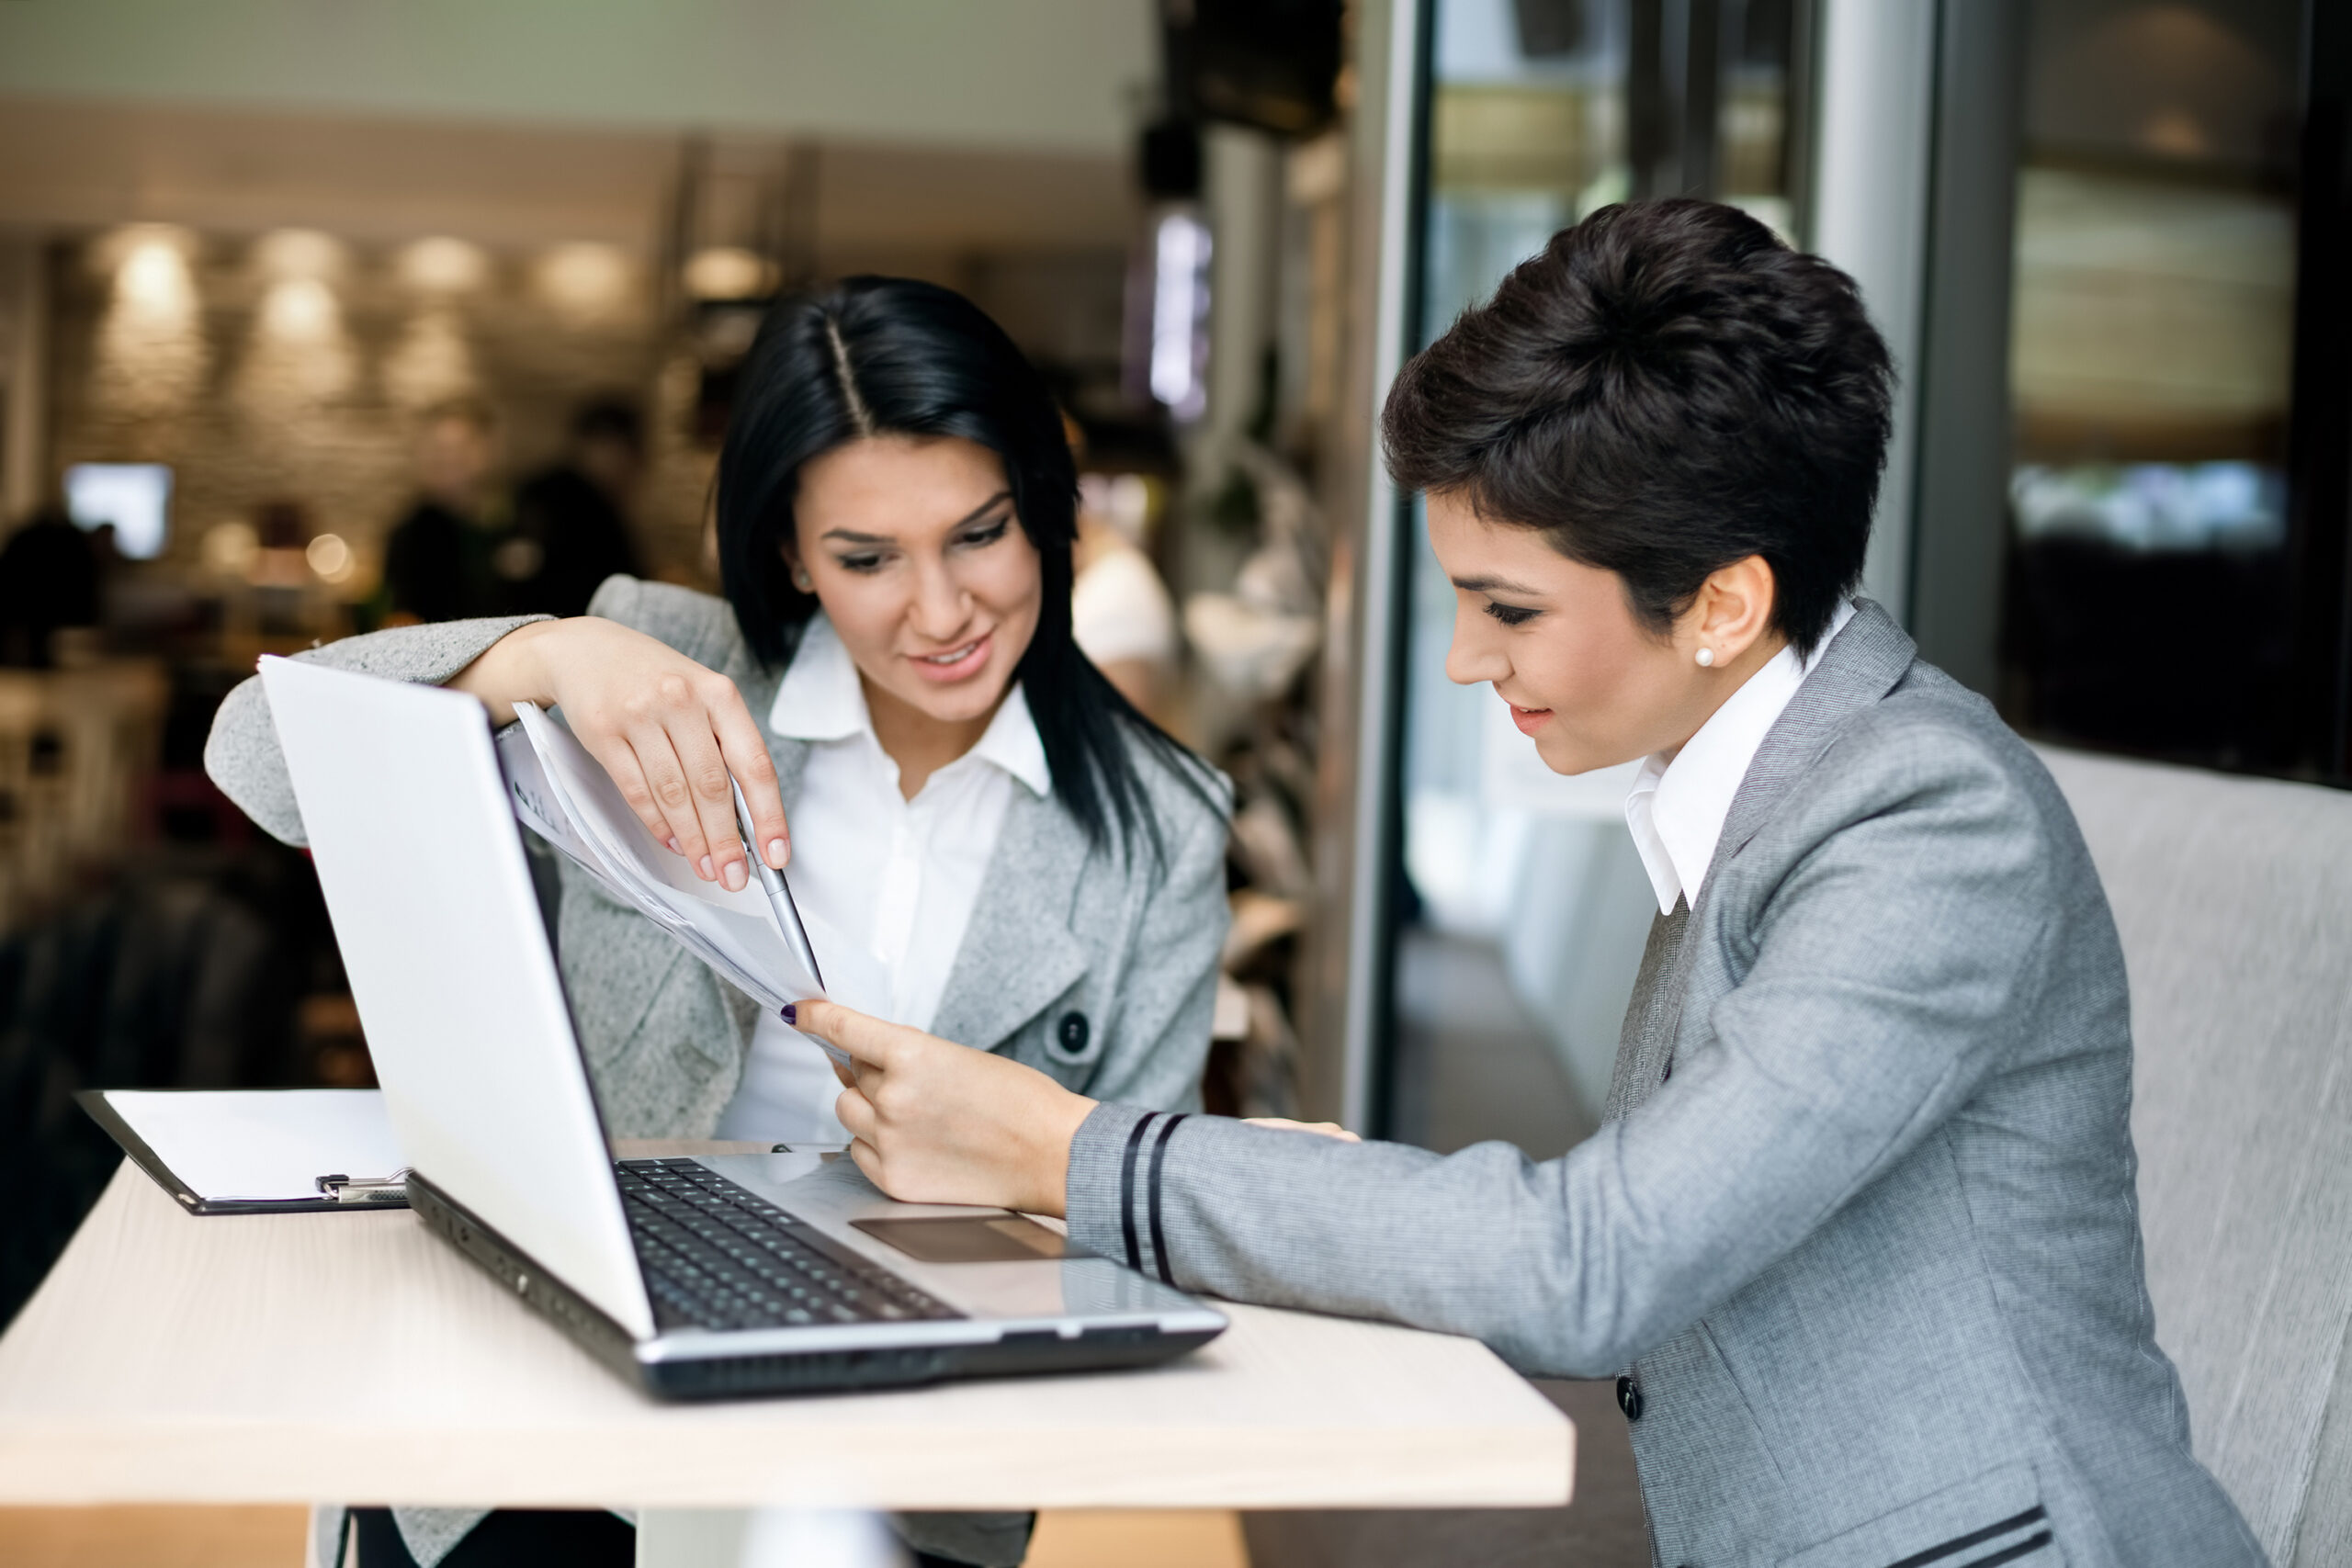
1490,584
850,537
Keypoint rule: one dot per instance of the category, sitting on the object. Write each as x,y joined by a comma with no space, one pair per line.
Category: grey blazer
1095,968
1859,1231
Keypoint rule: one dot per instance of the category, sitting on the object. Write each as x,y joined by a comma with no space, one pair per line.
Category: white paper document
261,1144
563,795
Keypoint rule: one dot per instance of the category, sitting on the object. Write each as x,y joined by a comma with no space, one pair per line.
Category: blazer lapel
1859,667
1018,954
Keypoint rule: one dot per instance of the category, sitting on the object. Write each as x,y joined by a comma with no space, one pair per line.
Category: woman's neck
920,743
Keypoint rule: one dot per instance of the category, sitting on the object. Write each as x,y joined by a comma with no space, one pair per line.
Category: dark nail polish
791,1015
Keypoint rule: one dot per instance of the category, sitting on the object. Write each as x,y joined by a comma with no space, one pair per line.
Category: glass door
2149,601
1523,906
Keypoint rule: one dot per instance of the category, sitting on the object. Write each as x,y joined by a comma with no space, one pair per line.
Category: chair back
2233,898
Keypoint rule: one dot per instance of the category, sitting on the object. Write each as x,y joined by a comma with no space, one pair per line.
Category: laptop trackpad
971,1238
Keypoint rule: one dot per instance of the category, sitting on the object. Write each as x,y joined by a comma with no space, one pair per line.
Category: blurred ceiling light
298,253
584,278
728,272
151,352
300,355
1179,309
432,362
154,280
230,548
329,557
300,310
443,265
108,255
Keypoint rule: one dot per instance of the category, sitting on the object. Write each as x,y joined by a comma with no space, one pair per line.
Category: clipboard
318,1123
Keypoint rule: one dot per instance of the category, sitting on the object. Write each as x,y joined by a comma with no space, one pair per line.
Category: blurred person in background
442,561
1012,851
50,572
1120,610
574,517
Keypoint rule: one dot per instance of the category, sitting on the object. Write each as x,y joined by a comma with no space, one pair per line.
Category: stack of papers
564,796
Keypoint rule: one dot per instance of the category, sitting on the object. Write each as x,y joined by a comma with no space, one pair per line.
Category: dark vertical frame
1649,129
1702,91
1801,133
2319,443
1960,479
1385,887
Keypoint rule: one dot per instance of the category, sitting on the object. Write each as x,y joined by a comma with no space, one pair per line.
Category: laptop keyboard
718,1256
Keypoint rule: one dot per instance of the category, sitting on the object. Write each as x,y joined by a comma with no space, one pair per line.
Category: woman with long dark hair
1016,857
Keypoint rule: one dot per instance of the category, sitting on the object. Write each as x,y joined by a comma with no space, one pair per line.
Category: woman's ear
1732,610
798,573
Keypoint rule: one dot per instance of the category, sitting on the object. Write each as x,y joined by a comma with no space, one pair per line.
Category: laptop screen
423,870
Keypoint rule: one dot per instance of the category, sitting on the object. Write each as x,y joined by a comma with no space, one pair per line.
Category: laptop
732,1275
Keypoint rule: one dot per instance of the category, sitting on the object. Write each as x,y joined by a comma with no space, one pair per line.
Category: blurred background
316,318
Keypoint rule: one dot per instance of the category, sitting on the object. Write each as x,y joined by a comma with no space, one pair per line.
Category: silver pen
787,914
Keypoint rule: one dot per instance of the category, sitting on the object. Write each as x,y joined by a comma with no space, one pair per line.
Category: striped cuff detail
1128,1191
2008,1553
1159,1232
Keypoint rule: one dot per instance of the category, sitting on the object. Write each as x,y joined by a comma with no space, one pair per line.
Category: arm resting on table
1891,976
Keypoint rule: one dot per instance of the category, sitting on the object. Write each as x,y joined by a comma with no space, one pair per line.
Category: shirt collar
821,698
1677,804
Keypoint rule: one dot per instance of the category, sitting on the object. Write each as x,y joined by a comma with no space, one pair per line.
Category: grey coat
1860,1230
1095,969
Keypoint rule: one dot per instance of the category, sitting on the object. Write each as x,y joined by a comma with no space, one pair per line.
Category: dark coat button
1629,1398
1070,1035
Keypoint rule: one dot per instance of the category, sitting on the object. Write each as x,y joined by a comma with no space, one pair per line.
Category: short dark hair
894,357
1663,390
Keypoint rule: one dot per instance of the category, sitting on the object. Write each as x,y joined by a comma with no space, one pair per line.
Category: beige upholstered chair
2235,900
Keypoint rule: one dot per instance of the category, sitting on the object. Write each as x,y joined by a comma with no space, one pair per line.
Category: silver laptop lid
442,937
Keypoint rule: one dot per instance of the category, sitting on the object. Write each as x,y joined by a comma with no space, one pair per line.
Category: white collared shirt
900,876
1680,800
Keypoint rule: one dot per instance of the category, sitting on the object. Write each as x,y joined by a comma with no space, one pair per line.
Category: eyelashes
1511,615
988,533
867,562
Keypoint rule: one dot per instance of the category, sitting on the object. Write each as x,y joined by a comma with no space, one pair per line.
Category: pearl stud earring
1706,658
800,581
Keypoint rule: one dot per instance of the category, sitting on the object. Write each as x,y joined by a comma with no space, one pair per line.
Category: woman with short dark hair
979,822
1859,1236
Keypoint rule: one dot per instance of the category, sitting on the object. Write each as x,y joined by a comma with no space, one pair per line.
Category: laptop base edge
769,1373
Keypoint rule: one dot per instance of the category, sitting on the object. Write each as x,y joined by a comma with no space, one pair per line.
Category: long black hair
893,356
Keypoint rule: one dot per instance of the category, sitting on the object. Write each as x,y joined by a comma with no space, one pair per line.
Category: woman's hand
939,1123
669,731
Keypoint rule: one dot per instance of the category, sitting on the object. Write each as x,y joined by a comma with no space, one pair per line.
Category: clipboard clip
392,1188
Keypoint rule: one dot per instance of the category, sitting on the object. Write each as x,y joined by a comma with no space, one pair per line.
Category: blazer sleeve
1158,1044
698,624
242,753
1893,964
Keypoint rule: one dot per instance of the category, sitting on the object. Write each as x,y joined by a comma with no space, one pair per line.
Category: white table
172,1358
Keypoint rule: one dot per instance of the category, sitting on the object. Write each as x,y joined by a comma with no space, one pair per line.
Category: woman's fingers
857,1113
710,796
619,761
871,1040
746,752
675,820
674,736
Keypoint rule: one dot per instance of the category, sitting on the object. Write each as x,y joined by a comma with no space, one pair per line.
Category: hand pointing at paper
669,731
938,1122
